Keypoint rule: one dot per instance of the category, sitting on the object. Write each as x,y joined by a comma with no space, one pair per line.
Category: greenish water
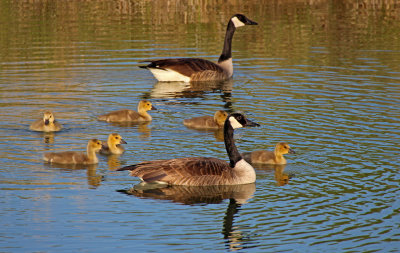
323,76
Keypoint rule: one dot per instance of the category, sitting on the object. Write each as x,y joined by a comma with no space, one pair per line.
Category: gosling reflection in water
113,162
141,127
281,177
93,179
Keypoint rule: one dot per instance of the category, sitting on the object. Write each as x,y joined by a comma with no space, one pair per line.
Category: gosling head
115,139
238,120
145,105
220,117
95,145
241,20
48,118
284,148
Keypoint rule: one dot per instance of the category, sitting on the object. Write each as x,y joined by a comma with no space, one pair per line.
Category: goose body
200,171
269,157
46,124
73,157
113,145
207,122
195,69
127,115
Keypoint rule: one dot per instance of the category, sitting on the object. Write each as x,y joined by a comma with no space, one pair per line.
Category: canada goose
112,146
207,122
46,124
270,157
73,157
201,171
127,115
195,69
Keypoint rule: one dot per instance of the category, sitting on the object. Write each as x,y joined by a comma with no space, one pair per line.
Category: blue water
333,99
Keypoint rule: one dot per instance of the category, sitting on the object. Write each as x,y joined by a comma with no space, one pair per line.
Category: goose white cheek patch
234,123
237,22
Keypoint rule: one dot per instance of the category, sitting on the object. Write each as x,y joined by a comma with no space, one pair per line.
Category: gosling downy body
195,69
47,124
127,115
73,157
113,145
200,171
207,122
269,157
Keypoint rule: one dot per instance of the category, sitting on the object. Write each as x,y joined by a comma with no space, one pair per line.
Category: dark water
323,76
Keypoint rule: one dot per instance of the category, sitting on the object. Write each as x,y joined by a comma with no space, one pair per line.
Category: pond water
323,76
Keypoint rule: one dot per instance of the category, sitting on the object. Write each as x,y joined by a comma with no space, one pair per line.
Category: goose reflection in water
203,195
192,90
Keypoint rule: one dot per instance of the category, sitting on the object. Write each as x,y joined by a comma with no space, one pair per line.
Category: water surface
322,76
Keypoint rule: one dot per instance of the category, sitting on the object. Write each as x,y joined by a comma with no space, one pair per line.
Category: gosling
269,157
47,124
127,115
73,157
113,145
207,122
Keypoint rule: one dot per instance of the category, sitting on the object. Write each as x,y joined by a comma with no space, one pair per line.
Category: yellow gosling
269,157
207,122
113,145
73,157
46,124
127,115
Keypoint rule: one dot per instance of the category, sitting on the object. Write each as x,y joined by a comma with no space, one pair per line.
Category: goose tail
129,167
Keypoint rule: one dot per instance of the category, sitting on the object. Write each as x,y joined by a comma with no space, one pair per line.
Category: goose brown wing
181,171
186,66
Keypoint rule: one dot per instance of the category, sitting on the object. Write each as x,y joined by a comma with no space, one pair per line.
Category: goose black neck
233,153
227,50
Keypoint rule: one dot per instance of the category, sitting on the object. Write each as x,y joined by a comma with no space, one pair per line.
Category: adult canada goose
269,157
195,69
113,145
47,124
127,115
73,157
207,122
200,171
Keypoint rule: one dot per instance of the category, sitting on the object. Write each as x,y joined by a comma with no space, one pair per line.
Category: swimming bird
269,157
200,171
73,157
113,145
195,69
47,124
207,122
127,115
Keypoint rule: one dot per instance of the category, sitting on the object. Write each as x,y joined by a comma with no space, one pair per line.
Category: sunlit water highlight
335,101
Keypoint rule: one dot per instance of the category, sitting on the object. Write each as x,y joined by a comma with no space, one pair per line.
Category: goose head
284,148
238,120
241,20
48,118
220,117
95,145
115,139
145,105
